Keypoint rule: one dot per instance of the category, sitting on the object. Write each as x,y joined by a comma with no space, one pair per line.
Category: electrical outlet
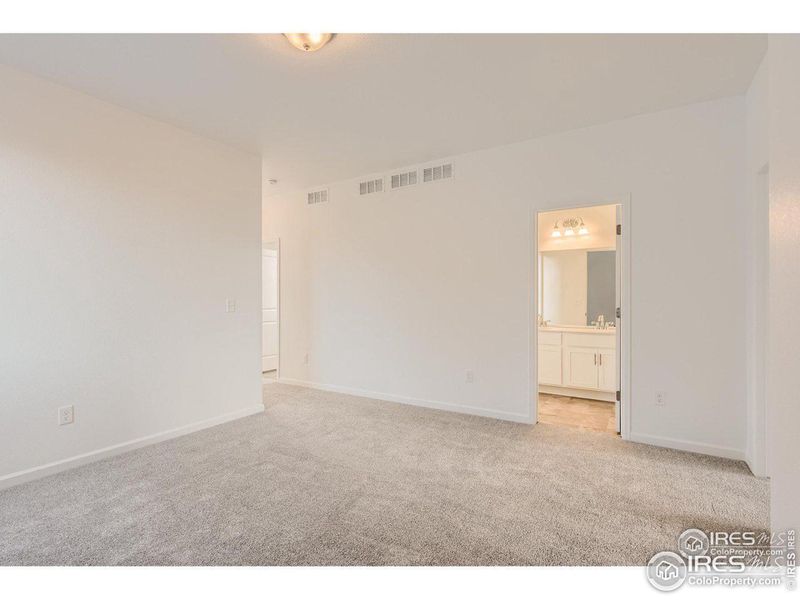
659,398
230,305
470,377
66,415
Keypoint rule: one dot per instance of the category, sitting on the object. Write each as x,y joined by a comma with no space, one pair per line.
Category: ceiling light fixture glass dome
308,42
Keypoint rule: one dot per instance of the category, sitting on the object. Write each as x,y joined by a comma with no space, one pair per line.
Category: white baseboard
456,408
7,481
756,467
697,447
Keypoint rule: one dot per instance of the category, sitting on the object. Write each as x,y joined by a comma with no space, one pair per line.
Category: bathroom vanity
578,362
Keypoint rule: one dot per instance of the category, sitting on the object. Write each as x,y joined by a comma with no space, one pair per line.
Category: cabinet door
607,369
550,365
580,367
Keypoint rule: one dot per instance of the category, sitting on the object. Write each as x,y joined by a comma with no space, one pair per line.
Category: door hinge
619,313
619,395
619,229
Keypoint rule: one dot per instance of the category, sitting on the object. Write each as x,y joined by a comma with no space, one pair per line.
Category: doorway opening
270,329
578,302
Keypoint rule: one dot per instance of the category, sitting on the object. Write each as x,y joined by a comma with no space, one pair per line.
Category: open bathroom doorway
580,334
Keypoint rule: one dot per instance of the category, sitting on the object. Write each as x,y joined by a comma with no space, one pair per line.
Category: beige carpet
328,479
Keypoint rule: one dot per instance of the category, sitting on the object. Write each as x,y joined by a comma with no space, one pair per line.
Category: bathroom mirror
576,286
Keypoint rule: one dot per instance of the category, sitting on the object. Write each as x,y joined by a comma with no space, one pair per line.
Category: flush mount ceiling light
308,42
570,225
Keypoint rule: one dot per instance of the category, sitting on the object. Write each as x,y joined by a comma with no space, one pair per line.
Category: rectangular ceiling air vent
404,179
317,196
370,186
437,173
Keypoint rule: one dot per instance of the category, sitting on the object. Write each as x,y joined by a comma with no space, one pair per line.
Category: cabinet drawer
550,338
590,340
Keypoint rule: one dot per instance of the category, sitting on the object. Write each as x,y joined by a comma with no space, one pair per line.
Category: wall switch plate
66,415
470,377
230,305
659,398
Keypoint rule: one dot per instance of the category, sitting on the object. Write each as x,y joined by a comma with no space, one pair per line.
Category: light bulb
556,233
569,231
308,42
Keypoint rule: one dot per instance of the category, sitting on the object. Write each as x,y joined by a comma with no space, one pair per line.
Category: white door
580,367
269,320
607,369
549,365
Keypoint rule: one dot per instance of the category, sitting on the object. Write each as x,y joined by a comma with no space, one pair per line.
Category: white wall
783,398
122,238
397,295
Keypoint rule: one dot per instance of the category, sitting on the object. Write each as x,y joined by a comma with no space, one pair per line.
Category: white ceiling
365,103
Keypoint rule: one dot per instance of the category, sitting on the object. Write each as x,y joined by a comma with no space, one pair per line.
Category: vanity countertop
577,329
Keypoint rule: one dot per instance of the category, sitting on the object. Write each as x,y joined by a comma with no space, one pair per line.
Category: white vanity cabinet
580,367
550,358
580,364
607,371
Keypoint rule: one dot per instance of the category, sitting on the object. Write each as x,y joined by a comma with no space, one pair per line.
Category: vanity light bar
569,226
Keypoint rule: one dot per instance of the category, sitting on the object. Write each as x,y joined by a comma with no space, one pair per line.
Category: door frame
626,400
276,242
757,326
